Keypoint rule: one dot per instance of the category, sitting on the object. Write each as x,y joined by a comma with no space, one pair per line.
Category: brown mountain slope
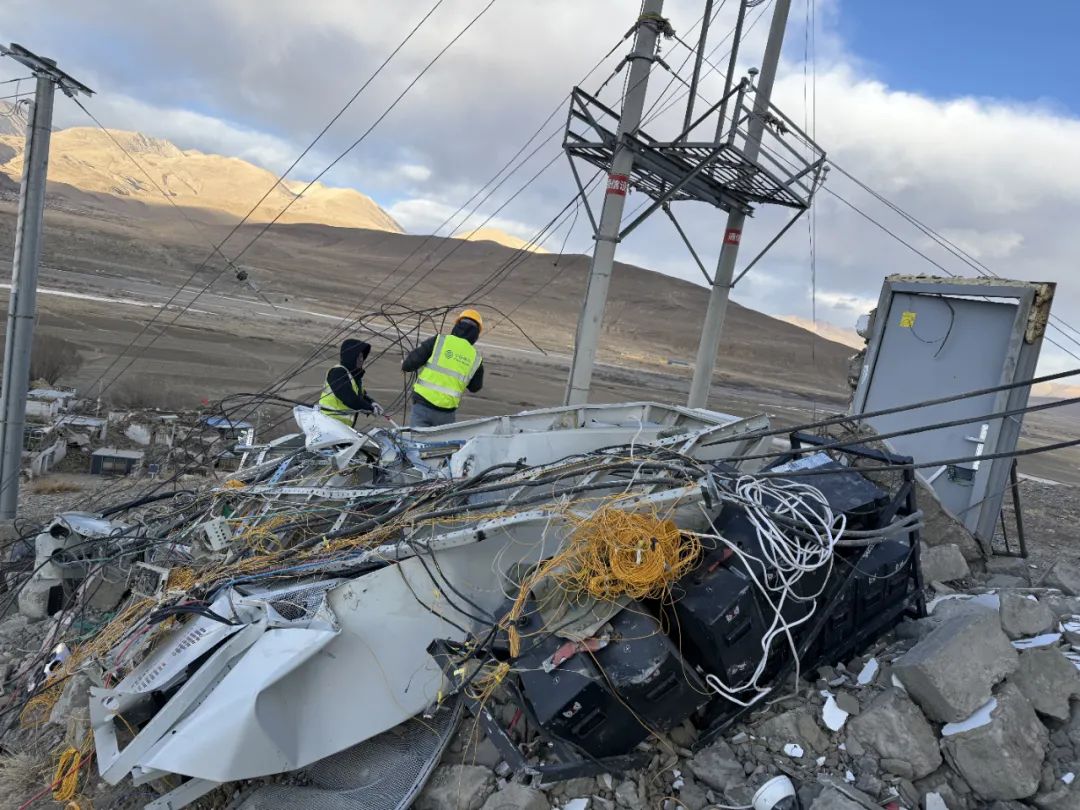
88,160
87,170
651,321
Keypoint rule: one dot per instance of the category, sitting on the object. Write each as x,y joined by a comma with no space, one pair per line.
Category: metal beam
721,289
649,26
706,20
686,241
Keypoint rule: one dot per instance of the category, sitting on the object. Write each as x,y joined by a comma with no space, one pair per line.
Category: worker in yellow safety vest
447,366
343,395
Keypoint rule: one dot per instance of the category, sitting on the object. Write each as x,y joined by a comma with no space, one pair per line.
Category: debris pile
960,709
66,434
596,607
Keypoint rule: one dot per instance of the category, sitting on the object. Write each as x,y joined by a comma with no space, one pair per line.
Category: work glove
377,409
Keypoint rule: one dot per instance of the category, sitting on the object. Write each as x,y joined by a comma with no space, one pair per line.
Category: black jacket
339,379
415,360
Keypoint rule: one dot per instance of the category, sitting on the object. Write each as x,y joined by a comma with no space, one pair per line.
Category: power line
941,240
333,163
927,231
496,277
346,320
920,253
277,182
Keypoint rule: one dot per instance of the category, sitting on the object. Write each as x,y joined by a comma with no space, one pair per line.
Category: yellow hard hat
472,315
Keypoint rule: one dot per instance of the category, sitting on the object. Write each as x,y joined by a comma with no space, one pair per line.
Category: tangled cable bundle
612,554
797,533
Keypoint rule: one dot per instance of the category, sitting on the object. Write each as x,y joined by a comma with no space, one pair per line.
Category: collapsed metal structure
342,583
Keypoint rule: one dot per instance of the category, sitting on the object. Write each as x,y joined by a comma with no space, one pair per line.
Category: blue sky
992,48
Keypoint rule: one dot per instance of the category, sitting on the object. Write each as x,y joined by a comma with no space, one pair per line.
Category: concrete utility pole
725,271
22,304
641,58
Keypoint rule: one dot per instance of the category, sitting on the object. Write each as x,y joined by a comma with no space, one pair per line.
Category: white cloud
415,173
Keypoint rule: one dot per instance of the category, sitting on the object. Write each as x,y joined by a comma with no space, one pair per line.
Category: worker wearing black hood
343,395
447,366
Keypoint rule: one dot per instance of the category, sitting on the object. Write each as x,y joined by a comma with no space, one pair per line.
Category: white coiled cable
802,542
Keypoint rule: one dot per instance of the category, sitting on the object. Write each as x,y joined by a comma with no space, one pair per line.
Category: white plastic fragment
576,804
1068,778
981,717
820,761
842,746
1032,597
849,777
990,600
834,716
1045,640
868,672
933,801
794,751
678,782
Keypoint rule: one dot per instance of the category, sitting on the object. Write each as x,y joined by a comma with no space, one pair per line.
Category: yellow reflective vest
445,376
332,406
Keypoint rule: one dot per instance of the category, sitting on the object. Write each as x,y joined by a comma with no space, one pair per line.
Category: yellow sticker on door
907,319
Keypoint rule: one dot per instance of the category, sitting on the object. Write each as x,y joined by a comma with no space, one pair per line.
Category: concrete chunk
1022,617
717,766
943,563
1013,566
516,797
894,728
1002,759
951,672
457,787
1066,577
795,726
836,797
1049,680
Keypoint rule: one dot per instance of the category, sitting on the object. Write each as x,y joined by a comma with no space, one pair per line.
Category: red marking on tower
618,184
732,236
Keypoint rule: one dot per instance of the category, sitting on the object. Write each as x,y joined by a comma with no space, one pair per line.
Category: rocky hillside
88,159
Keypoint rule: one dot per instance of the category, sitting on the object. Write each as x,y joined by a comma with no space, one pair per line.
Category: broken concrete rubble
457,787
943,563
1024,616
894,728
796,726
950,673
1049,681
1003,758
516,797
717,767
1065,576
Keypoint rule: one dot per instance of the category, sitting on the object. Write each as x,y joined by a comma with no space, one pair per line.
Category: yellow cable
612,554
67,775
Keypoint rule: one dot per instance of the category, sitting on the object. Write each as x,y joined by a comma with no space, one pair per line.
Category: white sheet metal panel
568,417
297,697
279,710
254,727
537,449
